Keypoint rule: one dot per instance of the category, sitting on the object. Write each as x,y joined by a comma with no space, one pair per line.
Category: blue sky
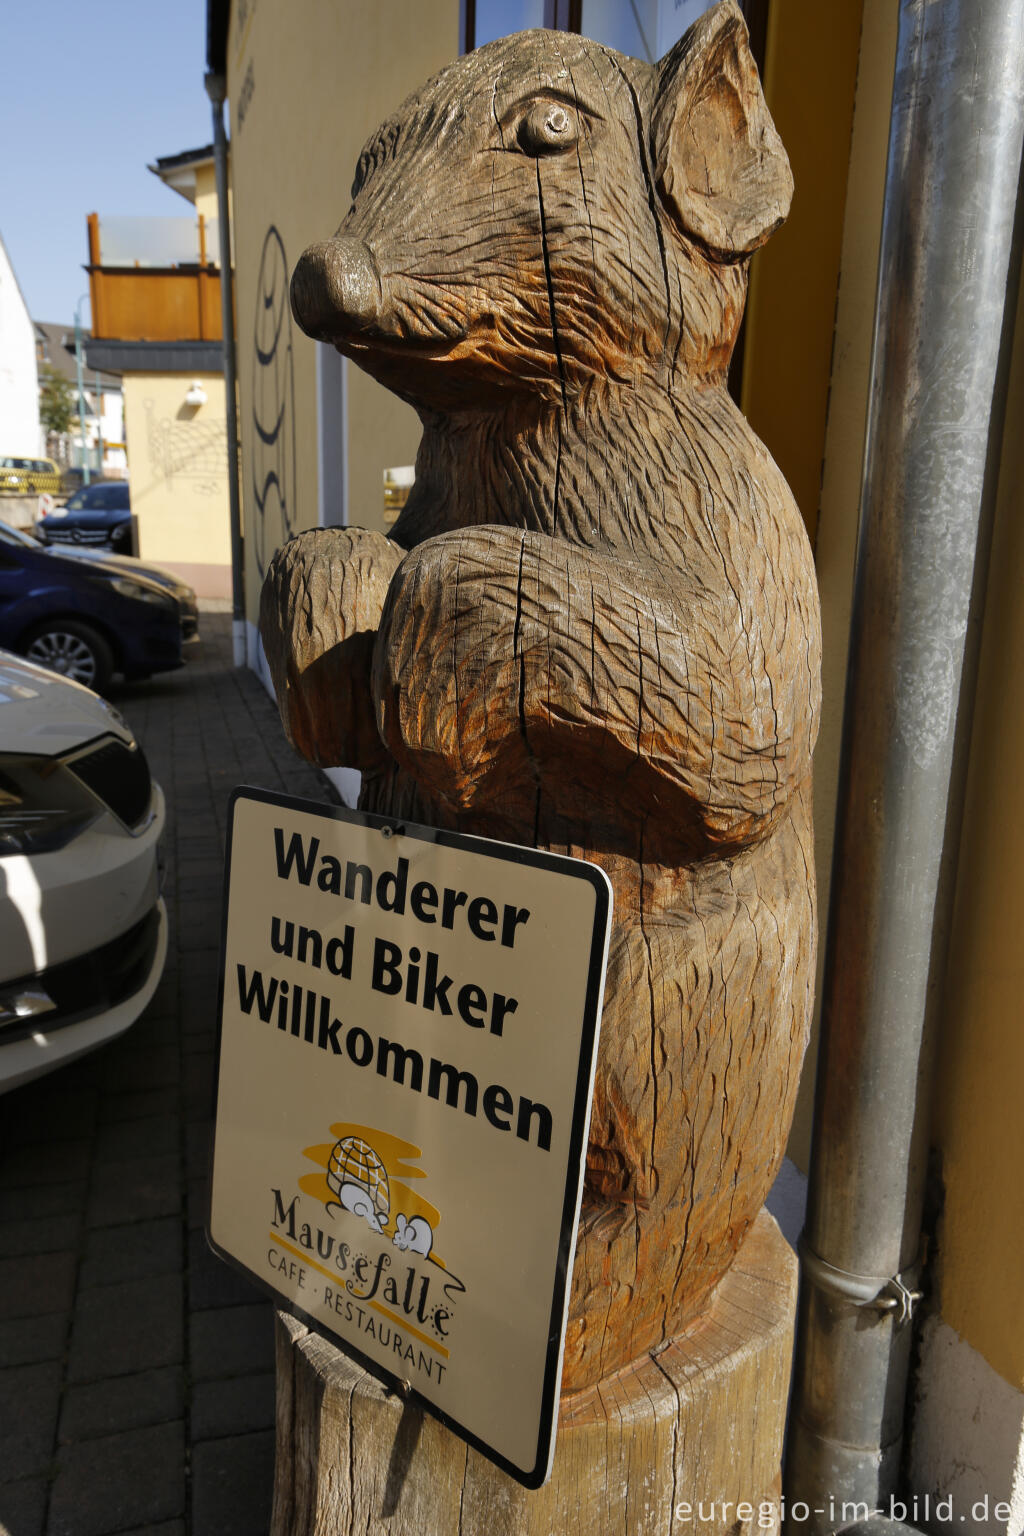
92,94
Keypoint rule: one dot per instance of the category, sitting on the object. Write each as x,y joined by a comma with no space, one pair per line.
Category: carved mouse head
546,211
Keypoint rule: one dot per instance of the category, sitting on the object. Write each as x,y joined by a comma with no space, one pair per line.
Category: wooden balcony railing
177,302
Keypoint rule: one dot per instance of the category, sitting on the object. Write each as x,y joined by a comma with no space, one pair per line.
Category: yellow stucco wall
978,1126
179,486
206,191
308,83
781,349
809,79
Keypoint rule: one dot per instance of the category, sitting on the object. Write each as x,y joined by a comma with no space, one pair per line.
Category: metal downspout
948,252
216,90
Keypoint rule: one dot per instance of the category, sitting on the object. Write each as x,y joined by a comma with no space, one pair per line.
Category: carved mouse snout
336,289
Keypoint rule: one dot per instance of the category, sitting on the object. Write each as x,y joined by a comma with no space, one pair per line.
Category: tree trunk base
685,1440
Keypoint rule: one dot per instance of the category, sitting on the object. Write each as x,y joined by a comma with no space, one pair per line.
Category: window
332,437
644,29
110,496
9,535
489,19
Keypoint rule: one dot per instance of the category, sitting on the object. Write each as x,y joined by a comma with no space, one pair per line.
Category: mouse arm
507,660
319,611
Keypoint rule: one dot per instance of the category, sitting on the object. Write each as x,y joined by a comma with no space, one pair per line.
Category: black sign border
513,853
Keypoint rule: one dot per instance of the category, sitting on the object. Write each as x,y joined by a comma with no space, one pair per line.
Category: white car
83,930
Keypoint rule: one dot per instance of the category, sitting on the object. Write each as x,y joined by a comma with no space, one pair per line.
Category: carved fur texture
595,627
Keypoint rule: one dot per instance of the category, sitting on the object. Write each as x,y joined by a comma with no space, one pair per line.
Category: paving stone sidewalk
136,1370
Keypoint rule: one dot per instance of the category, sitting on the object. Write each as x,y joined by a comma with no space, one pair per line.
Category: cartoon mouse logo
413,1236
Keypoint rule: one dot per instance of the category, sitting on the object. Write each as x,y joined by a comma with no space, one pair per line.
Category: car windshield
9,535
100,498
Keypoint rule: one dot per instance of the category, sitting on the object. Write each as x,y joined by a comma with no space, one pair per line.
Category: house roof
179,171
55,344
185,157
156,356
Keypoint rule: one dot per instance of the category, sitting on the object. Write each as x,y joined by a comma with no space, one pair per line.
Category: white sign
409,1026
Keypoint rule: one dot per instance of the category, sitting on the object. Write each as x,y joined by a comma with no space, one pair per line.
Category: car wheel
74,650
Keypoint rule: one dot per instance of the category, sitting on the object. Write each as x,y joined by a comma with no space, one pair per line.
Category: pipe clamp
884,1293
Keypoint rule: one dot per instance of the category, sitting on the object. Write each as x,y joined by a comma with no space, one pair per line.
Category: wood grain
595,627
699,1423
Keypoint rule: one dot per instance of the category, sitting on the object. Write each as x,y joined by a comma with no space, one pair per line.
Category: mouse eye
547,128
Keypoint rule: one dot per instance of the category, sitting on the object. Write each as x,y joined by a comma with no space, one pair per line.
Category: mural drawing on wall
193,451
273,405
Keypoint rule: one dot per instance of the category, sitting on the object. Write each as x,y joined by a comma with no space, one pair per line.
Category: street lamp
81,386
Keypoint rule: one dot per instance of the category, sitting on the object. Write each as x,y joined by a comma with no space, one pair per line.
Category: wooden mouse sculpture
595,626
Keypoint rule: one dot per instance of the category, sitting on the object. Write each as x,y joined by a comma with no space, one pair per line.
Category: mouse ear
719,163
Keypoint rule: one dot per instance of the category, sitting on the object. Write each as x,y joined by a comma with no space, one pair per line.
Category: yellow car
29,477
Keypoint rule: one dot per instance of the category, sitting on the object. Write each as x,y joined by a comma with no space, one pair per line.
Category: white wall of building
115,459
19,382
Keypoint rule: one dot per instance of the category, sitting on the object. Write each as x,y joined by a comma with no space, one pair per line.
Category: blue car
99,515
84,619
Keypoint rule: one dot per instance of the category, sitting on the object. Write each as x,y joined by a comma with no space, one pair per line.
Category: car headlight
23,1001
128,587
42,805
116,715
